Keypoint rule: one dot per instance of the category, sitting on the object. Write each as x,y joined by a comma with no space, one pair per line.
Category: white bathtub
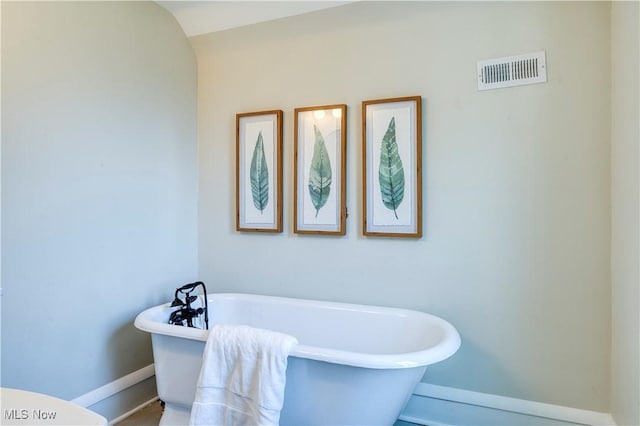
354,364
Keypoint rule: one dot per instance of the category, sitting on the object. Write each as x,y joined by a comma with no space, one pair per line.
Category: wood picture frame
320,150
259,171
392,167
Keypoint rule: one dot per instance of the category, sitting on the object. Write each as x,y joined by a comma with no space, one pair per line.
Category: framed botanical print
259,171
392,167
320,170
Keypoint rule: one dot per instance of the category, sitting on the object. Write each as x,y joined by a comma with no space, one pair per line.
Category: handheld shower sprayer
186,313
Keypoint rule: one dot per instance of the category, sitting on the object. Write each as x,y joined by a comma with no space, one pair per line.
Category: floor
150,416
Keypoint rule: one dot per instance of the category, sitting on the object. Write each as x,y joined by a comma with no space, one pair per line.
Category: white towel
243,377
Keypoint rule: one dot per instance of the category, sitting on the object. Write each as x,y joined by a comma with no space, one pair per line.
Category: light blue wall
516,181
99,186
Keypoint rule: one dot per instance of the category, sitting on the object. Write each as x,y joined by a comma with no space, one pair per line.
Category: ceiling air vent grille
512,71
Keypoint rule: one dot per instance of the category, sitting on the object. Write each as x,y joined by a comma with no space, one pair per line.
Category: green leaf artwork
319,173
391,172
259,175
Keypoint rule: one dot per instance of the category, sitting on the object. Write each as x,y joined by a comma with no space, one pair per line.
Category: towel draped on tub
243,377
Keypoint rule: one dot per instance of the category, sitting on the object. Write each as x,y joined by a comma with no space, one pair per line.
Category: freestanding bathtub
354,364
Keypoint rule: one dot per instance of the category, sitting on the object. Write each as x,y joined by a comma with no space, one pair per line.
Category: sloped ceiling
201,17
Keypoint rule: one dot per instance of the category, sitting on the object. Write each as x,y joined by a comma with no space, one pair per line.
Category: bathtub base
317,393
175,415
369,396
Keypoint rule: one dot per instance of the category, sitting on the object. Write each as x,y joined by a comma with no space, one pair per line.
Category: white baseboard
504,404
117,386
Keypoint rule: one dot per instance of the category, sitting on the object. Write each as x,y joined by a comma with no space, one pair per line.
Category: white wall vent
512,71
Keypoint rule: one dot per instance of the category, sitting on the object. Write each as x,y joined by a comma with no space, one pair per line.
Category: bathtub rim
422,358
